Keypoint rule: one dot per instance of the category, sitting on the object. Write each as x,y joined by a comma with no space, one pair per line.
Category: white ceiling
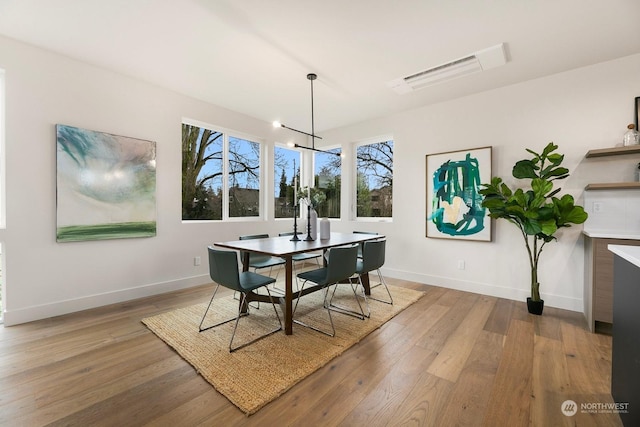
252,56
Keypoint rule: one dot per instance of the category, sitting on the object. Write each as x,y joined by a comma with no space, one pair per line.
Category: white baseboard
29,314
557,301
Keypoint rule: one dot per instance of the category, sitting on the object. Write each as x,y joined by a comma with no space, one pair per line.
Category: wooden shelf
614,186
615,151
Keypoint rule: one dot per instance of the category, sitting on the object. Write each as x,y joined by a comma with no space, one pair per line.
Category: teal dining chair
341,266
260,261
373,256
302,258
223,269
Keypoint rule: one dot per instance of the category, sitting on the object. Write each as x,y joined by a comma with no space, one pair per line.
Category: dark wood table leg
288,296
364,278
245,267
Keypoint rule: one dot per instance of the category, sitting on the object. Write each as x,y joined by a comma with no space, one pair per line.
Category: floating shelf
615,151
614,186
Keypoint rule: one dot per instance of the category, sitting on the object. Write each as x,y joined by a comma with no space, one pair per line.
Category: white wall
580,110
42,278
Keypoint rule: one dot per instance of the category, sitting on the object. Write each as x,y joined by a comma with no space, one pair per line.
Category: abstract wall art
454,202
106,186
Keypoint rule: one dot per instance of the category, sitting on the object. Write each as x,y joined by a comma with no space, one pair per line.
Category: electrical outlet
196,261
597,207
460,264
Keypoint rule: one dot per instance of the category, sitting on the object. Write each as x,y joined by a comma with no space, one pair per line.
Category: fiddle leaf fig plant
536,209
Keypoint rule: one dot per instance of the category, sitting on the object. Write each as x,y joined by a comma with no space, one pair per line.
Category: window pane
244,178
201,173
374,181
286,174
327,180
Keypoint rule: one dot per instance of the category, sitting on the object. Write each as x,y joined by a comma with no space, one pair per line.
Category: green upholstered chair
301,258
341,266
373,256
361,245
223,269
260,261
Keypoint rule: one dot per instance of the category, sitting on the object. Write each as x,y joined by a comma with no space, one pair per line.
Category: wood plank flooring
451,359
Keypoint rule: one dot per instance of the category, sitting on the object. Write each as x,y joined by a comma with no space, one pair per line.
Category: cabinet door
603,277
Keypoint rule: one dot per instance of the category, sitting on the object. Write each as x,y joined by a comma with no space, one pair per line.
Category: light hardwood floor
451,359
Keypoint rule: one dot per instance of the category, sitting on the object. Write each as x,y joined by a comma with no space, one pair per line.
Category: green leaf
550,148
567,212
549,227
537,156
556,158
519,197
506,190
558,173
525,169
531,227
541,187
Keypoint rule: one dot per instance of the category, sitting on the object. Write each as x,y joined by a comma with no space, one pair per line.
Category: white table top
629,253
607,234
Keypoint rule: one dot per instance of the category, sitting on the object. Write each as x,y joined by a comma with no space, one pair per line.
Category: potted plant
537,210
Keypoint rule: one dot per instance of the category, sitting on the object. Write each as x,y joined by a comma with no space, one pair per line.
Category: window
374,179
327,179
244,178
286,176
219,165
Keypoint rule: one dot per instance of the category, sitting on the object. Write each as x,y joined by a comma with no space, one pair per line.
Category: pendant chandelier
311,77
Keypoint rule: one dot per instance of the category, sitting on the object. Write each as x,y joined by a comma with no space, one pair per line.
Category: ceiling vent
476,62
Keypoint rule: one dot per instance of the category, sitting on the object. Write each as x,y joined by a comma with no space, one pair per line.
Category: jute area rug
257,374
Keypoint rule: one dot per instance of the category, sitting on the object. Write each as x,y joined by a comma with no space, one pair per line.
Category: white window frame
226,132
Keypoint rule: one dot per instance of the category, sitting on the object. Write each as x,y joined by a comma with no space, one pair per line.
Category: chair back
373,255
361,246
253,257
342,263
223,268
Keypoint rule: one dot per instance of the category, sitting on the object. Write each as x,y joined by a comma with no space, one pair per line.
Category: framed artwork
637,113
454,203
106,186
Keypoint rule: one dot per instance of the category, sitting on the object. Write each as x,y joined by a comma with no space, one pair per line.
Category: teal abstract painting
454,203
106,186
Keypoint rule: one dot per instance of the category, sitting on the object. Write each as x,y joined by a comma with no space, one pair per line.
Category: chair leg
340,309
275,286
200,328
383,283
240,314
333,329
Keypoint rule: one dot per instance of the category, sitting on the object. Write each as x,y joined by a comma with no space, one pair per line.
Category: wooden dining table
286,248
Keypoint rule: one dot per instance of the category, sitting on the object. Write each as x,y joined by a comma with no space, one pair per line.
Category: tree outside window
244,178
203,175
286,176
374,179
327,179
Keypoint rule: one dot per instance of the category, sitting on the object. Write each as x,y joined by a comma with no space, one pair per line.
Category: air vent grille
443,67
476,62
